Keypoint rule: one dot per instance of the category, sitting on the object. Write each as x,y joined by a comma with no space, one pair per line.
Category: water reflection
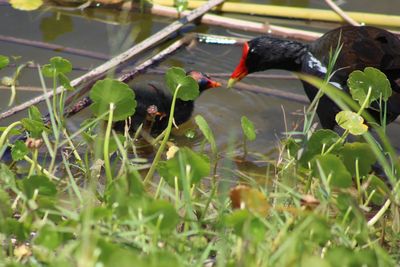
55,25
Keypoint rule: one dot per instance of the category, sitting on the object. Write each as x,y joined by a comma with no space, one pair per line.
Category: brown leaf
244,197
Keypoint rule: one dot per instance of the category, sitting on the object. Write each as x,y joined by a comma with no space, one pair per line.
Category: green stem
7,131
165,139
107,164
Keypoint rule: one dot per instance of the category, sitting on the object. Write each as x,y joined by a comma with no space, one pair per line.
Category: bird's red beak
241,70
212,84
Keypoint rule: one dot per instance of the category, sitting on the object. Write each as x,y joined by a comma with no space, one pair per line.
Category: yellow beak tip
231,82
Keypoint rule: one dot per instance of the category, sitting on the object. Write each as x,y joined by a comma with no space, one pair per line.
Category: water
109,33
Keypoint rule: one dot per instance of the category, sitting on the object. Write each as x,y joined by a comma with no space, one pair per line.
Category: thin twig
232,23
58,48
341,13
101,70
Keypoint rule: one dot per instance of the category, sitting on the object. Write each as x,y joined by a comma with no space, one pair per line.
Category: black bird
364,46
154,104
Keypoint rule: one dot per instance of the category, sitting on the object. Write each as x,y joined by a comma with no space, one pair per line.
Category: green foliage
107,91
199,167
360,82
207,132
330,166
58,65
357,152
188,88
181,5
319,142
19,150
34,124
315,211
248,128
4,61
352,122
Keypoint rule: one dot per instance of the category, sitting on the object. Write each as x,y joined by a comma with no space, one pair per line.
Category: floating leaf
109,91
26,5
57,65
352,122
207,132
188,87
360,82
248,128
331,165
19,150
320,141
176,167
357,151
244,197
4,61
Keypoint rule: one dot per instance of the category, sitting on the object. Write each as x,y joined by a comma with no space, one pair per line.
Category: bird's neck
289,55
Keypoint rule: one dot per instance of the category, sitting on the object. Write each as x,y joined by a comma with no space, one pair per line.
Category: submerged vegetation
87,197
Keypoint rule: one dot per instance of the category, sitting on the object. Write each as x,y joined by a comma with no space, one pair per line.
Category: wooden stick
237,24
59,48
341,13
295,12
101,70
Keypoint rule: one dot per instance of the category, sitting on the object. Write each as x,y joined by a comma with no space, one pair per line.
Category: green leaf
111,254
7,177
4,61
331,165
44,186
163,213
162,258
181,5
5,205
109,91
352,122
359,83
19,150
188,88
26,5
64,81
57,65
207,132
381,190
176,167
248,128
34,114
357,151
320,141
35,128
48,237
